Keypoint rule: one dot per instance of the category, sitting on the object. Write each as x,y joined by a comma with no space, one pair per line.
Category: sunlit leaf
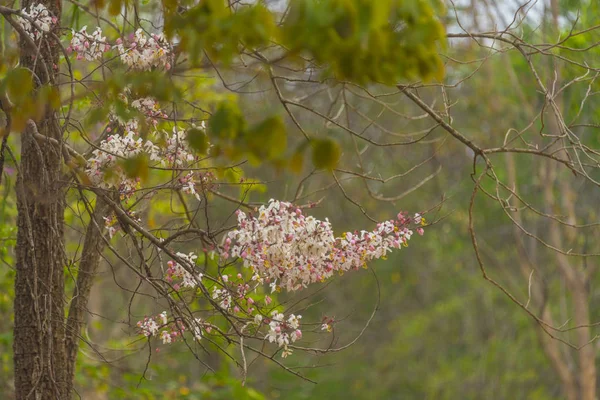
369,41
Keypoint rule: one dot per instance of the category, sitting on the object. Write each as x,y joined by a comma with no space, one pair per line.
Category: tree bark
39,330
93,246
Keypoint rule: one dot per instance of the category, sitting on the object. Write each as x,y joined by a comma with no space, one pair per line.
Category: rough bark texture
39,331
45,341
93,246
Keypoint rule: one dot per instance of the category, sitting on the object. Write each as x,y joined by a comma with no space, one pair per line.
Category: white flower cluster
223,296
145,53
139,51
88,47
177,271
41,16
188,185
177,152
150,108
103,169
150,326
112,225
197,328
283,332
282,245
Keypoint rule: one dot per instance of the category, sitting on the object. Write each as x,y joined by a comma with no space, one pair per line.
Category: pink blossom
303,250
88,46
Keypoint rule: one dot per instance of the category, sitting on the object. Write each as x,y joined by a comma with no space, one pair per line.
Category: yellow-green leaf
197,140
136,167
325,153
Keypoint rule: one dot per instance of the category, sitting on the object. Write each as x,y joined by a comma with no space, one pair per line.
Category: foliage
362,41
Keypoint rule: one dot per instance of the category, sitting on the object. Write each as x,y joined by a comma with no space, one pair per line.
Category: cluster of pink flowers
327,324
41,16
86,46
284,331
112,225
147,106
283,245
174,151
177,153
194,178
231,295
145,52
188,185
176,272
169,332
160,326
223,296
150,326
105,172
150,108
140,51
281,330
233,291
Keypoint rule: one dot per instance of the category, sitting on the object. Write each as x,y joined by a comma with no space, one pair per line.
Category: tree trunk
93,246
39,331
527,263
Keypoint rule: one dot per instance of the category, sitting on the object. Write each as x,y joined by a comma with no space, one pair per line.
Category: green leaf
220,31
227,122
267,140
325,153
49,95
197,140
115,6
368,41
297,160
136,167
18,83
